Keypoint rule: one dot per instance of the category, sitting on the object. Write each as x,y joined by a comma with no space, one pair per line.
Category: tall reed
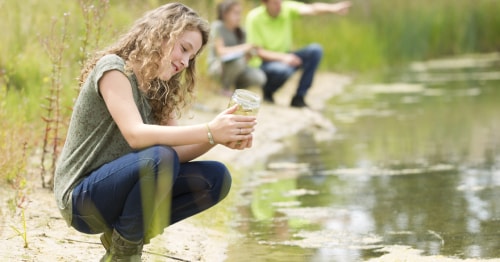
55,46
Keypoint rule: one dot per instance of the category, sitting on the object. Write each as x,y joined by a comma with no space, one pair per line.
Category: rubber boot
121,249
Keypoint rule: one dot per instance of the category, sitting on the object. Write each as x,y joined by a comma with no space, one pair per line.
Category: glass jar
248,102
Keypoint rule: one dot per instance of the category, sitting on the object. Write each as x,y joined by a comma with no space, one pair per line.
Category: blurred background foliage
375,35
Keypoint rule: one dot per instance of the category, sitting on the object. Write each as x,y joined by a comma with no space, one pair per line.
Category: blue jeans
142,193
277,73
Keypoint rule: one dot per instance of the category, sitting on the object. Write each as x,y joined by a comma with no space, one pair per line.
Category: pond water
414,162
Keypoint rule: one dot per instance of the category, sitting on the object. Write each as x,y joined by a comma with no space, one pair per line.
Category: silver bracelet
210,136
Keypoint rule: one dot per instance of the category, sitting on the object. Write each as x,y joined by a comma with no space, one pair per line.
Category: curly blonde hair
142,46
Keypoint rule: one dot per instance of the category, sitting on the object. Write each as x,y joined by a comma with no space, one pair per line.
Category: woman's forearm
189,152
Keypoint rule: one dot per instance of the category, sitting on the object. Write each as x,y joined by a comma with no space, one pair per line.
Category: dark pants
277,72
143,192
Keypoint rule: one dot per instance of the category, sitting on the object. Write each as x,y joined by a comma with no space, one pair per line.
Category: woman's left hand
240,145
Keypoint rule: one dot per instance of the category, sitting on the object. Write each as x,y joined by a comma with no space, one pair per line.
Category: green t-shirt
93,137
272,33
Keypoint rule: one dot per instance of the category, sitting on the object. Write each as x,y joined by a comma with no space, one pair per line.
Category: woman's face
232,17
185,49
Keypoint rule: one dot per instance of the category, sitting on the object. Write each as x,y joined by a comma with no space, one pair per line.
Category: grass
390,33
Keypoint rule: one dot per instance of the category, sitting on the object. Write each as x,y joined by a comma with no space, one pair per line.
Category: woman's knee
166,154
260,78
226,183
224,180
161,158
252,77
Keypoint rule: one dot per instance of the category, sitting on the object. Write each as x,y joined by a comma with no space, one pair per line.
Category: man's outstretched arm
321,8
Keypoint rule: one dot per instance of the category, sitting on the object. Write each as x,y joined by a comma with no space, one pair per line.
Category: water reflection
413,165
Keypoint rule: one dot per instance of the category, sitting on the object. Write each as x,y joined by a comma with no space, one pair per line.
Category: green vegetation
44,44
388,33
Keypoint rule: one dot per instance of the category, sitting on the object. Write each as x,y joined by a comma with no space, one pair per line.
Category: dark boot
298,101
121,249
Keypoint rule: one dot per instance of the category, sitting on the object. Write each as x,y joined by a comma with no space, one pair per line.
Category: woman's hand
233,131
240,145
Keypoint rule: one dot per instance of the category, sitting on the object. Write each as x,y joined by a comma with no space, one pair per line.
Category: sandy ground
50,239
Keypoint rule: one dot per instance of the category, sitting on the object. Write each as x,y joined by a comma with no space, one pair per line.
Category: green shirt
272,33
93,137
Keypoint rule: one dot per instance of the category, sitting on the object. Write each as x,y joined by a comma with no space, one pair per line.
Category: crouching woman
127,169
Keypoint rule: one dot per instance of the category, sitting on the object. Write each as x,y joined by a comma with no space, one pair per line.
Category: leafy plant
54,47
